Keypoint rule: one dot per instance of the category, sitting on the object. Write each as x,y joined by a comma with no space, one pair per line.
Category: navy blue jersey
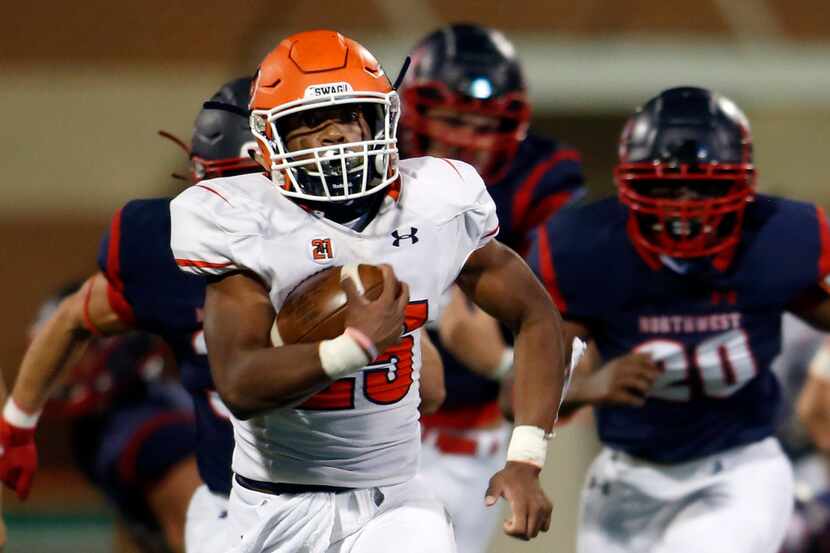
147,289
544,176
714,331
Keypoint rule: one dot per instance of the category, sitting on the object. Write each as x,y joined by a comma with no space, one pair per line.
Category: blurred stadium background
84,86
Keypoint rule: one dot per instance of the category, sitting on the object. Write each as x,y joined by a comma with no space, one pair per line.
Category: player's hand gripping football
18,457
625,380
380,320
531,510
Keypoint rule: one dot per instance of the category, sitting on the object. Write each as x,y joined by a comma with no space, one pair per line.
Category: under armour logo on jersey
321,250
413,232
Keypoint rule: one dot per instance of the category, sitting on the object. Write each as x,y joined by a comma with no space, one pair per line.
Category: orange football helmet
320,69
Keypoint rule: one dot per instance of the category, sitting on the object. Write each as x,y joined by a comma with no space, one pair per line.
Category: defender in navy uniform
140,287
682,282
465,98
131,432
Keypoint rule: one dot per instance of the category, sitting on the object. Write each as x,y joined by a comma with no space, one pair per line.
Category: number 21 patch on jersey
321,250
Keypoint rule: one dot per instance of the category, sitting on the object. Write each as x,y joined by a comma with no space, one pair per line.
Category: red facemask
677,225
490,152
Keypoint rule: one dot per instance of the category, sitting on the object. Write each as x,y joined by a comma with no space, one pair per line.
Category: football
315,309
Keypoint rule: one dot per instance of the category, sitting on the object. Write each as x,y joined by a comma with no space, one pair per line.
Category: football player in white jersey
327,433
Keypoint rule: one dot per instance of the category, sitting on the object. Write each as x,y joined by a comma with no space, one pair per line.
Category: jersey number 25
386,379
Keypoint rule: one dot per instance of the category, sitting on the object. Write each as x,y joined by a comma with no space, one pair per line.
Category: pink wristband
363,341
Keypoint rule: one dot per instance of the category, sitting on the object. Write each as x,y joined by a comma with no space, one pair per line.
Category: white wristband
820,365
528,444
342,356
505,365
19,418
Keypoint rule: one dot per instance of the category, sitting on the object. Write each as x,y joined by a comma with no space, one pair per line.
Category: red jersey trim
545,209
120,305
88,324
209,189
115,285
490,233
202,264
454,168
824,240
548,272
114,253
524,195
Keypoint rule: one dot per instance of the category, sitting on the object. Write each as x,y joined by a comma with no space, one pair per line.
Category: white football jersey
362,431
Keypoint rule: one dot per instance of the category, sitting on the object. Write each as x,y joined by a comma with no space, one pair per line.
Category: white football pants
460,481
207,529
737,501
404,518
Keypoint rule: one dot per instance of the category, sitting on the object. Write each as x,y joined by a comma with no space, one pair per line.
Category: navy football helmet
462,71
685,172
222,143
